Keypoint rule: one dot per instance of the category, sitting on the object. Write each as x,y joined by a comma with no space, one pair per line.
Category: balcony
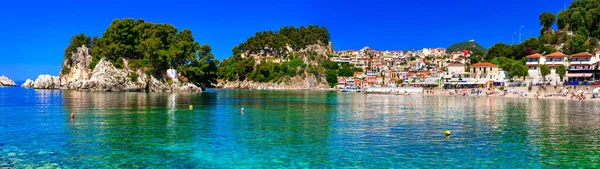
581,63
532,63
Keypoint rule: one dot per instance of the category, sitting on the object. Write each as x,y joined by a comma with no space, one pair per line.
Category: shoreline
513,92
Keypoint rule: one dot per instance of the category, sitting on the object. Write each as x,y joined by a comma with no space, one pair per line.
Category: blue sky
35,33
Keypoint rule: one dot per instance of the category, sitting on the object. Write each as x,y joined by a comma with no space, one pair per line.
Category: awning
579,75
447,76
481,82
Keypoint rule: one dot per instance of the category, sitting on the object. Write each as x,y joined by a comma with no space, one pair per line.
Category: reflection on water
292,129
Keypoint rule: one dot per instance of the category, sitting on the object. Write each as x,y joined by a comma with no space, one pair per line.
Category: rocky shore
5,81
294,83
76,75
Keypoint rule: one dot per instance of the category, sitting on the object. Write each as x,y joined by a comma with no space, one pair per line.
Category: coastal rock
5,81
294,83
76,75
76,68
28,84
106,77
47,82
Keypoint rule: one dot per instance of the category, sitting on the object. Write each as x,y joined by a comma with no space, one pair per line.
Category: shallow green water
292,130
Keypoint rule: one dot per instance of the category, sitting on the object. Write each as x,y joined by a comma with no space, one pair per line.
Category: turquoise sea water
292,130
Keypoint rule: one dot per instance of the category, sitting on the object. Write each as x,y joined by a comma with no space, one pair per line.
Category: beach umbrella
596,90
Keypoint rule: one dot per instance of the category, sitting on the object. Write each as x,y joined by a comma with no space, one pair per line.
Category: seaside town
434,68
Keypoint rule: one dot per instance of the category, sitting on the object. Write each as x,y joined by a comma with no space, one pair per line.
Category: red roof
484,64
556,55
582,55
534,56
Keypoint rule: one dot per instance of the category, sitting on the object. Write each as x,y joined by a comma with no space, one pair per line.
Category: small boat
345,90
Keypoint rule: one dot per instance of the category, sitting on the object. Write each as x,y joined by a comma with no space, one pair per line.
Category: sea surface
292,130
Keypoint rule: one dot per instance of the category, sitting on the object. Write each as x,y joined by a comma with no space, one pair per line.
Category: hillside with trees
578,31
153,48
278,56
477,51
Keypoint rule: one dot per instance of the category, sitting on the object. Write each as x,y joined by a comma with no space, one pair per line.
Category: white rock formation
76,75
47,82
28,84
5,81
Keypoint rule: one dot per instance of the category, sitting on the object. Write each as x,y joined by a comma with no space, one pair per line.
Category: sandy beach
536,92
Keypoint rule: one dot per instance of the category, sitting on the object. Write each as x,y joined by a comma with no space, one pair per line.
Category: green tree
561,70
155,48
544,71
497,51
547,19
577,44
331,77
563,19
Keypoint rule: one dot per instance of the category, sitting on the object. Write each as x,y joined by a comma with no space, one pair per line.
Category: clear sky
34,34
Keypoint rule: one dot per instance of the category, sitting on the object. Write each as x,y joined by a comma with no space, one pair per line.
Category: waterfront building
485,73
583,67
553,60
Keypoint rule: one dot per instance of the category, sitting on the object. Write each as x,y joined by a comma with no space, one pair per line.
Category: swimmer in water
72,115
242,110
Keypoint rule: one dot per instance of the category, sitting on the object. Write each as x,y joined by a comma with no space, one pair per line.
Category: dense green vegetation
152,47
477,51
582,17
274,43
268,43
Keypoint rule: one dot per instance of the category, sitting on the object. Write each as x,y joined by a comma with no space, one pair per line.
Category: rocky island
5,81
289,59
134,55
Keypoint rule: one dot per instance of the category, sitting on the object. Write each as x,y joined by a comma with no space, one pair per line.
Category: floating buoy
72,115
447,132
191,107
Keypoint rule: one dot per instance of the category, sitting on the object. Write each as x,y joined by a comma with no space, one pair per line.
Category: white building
553,60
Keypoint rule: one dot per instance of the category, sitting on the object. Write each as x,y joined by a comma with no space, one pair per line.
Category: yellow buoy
191,107
447,132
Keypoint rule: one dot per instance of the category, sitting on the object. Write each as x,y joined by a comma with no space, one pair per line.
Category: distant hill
472,46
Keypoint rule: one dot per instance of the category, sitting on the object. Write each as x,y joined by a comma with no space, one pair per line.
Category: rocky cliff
311,55
5,81
76,75
294,83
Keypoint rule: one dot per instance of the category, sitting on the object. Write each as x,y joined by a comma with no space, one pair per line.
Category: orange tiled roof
556,55
484,64
534,56
582,55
